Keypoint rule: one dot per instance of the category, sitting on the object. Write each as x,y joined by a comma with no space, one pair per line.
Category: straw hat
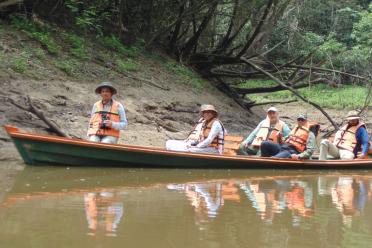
352,115
105,85
208,107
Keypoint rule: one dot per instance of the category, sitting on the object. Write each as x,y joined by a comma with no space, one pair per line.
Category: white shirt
215,130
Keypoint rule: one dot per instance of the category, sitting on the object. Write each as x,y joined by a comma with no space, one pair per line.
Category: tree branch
278,87
9,2
257,29
326,70
295,92
273,102
32,109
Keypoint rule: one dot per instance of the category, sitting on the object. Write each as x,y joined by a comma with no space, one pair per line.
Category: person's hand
361,156
245,144
295,157
108,123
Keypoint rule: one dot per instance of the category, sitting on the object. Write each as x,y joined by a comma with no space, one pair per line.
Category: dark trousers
269,149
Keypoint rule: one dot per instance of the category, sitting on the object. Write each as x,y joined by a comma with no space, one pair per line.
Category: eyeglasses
300,119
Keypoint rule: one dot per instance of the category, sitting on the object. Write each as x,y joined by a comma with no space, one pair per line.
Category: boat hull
39,149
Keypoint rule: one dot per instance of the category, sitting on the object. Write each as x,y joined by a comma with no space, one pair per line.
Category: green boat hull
38,149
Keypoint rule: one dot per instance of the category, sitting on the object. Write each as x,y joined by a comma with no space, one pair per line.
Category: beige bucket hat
207,107
352,115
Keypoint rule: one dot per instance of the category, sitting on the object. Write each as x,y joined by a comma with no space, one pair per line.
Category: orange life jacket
345,138
299,135
218,141
202,130
96,120
263,134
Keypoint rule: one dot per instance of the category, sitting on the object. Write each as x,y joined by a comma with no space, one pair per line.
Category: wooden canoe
47,149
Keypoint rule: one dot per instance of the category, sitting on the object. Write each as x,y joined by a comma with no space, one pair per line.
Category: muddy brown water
47,206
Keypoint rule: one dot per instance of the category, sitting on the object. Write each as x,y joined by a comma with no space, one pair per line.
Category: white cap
273,109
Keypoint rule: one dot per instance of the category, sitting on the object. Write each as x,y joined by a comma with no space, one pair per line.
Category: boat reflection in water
270,197
187,208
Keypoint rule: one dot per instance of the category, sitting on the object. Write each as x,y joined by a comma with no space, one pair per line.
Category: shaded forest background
285,44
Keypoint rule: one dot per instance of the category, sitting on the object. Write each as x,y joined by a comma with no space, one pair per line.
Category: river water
120,207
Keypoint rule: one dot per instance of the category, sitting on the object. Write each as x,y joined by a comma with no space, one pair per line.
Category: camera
104,117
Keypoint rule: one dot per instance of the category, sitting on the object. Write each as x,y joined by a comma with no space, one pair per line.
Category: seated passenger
300,143
107,116
206,137
349,140
271,129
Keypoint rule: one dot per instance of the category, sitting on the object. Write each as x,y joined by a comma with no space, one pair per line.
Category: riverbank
161,97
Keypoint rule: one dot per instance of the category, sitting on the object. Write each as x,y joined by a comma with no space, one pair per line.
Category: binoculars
105,117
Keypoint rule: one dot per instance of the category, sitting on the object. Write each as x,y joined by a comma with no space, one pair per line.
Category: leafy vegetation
20,64
78,48
218,39
185,73
39,53
42,34
88,18
114,43
347,96
338,32
70,66
127,65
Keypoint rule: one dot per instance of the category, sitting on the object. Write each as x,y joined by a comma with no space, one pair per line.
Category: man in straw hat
300,143
207,136
271,129
348,141
107,116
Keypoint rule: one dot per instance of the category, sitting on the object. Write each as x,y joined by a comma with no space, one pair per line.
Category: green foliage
39,53
256,83
78,46
70,67
362,31
331,48
88,16
185,73
127,65
40,33
114,43
339,31
20,64
347,96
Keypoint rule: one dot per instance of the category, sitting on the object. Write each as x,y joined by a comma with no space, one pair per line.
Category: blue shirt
362,140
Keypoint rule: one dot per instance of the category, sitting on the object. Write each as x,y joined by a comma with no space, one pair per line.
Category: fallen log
32,109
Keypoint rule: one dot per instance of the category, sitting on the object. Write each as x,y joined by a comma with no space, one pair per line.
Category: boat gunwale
16,133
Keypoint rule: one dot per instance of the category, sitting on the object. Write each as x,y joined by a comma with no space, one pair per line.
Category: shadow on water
187,208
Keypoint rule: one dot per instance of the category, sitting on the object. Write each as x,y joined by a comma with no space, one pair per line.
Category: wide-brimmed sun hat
208,107
352,115
105,85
